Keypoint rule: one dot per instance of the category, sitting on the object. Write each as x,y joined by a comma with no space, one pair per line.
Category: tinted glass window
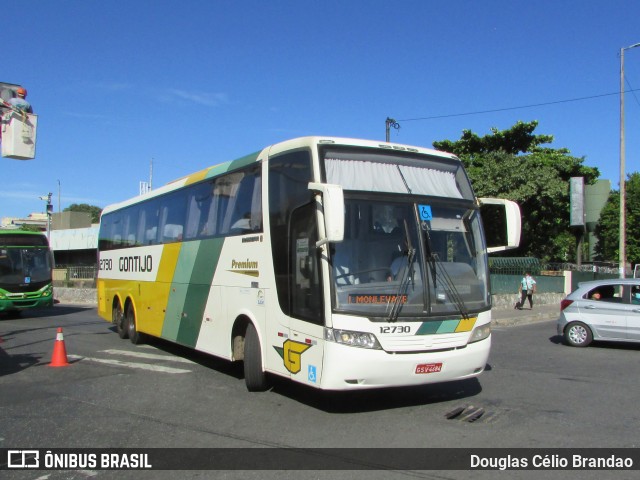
606,293
227,205
289,177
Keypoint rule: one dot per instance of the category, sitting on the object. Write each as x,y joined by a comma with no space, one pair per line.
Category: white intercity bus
338,263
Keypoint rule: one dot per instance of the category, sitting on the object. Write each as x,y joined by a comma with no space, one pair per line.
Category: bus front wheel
254,375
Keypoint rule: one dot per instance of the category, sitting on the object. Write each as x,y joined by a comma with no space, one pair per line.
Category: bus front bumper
13,302
351,368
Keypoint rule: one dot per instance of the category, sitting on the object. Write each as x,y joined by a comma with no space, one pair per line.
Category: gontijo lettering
136,263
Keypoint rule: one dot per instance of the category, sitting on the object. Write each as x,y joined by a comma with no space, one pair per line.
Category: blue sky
193,83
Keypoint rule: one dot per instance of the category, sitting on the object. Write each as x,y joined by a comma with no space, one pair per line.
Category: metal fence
505,273
75,276
520,265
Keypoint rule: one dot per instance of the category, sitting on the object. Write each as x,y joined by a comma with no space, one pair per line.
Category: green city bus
25,271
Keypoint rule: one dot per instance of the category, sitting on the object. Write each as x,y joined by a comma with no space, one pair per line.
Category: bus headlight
480,333
47,291
351,338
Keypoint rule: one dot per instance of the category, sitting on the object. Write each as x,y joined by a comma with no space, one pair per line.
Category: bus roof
11,231
295,143
22,238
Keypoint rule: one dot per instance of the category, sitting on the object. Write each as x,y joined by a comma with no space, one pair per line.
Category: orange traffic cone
59,357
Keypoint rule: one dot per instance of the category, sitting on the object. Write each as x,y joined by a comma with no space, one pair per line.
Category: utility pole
623,223
390,122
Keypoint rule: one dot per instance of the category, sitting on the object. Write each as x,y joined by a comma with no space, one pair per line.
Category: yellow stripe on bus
466,325
155,296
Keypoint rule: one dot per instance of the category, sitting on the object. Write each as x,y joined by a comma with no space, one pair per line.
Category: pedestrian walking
526,289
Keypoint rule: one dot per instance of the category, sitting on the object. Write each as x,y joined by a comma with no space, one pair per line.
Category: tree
512,164
517,139
608,228
30,228
83,207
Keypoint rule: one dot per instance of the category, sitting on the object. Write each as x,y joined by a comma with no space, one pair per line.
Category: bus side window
172,216
198,205
150,236
148,224
244,215
172,233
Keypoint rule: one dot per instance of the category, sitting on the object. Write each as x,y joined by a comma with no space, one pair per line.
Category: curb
510,318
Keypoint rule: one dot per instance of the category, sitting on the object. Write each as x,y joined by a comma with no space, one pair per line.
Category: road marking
149,356
140,366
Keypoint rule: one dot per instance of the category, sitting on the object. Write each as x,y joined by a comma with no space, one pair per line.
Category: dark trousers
526,294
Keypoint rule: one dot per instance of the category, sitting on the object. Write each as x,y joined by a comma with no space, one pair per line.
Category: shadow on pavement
55,311
14,363
376,399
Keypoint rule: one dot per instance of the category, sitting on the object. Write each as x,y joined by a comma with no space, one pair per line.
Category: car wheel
577,334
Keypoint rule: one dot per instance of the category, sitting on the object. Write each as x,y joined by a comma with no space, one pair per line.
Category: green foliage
511,164
608,228
517,139
30,228
83,207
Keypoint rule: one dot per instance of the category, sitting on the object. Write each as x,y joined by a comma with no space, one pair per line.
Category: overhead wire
632,90
478,112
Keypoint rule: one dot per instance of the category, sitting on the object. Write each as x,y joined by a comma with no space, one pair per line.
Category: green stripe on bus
179,286
233,165
438,327
448,326
206,261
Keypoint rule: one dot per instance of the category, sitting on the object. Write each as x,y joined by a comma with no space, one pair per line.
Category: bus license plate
429,368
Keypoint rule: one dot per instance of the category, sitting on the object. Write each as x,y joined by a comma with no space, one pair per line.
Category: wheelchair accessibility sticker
425,212
312,374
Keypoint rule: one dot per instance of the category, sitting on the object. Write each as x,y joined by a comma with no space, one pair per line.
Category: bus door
304,351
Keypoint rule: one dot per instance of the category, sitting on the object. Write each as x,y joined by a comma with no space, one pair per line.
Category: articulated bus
25,271
338,263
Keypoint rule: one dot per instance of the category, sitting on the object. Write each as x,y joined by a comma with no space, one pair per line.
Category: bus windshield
25,267
420,258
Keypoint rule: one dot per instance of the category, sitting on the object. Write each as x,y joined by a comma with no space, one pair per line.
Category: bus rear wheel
134,335
117,317
254,376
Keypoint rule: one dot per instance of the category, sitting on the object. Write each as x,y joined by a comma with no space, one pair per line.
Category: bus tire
117,317
254,375
134,335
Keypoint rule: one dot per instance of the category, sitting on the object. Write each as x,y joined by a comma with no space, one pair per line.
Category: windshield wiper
407,277
450,287
440,275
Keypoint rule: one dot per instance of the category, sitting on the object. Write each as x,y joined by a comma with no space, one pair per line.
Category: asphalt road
536,393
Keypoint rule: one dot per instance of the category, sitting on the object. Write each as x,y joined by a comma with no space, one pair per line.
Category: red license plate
429,368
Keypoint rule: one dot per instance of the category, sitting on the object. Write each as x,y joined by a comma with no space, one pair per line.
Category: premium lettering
244,264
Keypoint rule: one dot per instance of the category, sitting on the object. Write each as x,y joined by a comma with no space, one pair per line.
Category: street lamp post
47,198
390,122
623,226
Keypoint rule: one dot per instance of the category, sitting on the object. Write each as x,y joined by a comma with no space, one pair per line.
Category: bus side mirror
333,211
502,223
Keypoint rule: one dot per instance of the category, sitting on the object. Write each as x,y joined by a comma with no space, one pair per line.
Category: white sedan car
601,310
